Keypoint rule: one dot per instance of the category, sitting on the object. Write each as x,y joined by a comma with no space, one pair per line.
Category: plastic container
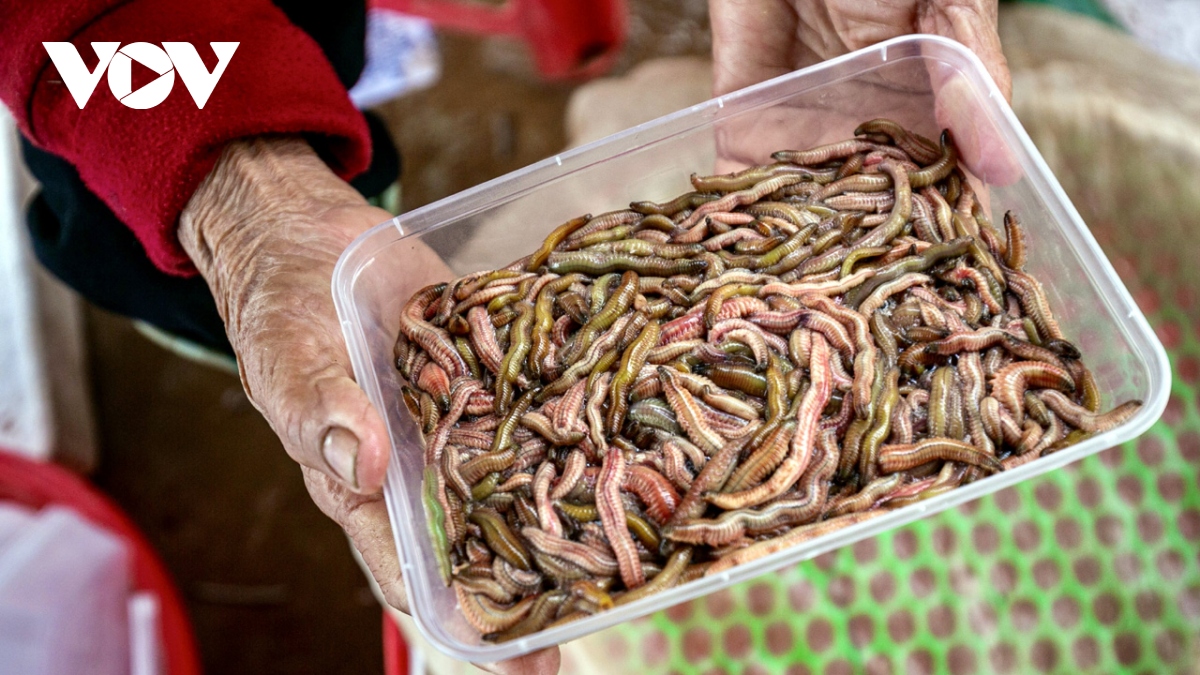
494,223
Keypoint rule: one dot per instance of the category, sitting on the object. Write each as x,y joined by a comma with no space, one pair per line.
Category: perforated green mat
1092,568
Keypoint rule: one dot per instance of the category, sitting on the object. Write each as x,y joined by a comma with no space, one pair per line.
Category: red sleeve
145,164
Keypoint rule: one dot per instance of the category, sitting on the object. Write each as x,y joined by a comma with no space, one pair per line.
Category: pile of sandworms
669,390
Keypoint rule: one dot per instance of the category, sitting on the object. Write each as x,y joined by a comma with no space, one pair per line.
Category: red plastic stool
37,484
569,38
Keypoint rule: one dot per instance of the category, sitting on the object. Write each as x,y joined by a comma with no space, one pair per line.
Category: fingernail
340,449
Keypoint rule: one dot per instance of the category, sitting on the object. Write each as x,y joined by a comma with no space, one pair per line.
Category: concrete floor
269,581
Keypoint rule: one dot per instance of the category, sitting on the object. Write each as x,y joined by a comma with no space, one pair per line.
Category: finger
753,40
980,144
295,368
973,23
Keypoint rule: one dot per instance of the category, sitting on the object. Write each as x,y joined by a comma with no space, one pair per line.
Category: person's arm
145,164
265,228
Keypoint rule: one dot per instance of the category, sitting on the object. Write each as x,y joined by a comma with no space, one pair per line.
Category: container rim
560,160
1135,330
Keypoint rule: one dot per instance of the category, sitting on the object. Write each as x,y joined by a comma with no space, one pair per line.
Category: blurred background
1110,92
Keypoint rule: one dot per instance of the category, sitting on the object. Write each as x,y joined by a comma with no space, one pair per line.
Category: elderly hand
265,229
755,40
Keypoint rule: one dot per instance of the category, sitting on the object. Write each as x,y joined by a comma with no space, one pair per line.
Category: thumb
982,146
753,41
322,416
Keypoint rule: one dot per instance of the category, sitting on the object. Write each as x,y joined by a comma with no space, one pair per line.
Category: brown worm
612,516
893,458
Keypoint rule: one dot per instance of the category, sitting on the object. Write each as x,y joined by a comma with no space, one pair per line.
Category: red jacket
145,164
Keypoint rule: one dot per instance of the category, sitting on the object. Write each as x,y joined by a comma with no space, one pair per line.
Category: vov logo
172,57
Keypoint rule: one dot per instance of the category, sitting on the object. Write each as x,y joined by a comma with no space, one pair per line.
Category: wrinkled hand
755,40
265,229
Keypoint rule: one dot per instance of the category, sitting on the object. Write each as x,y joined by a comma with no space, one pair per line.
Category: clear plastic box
924,83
